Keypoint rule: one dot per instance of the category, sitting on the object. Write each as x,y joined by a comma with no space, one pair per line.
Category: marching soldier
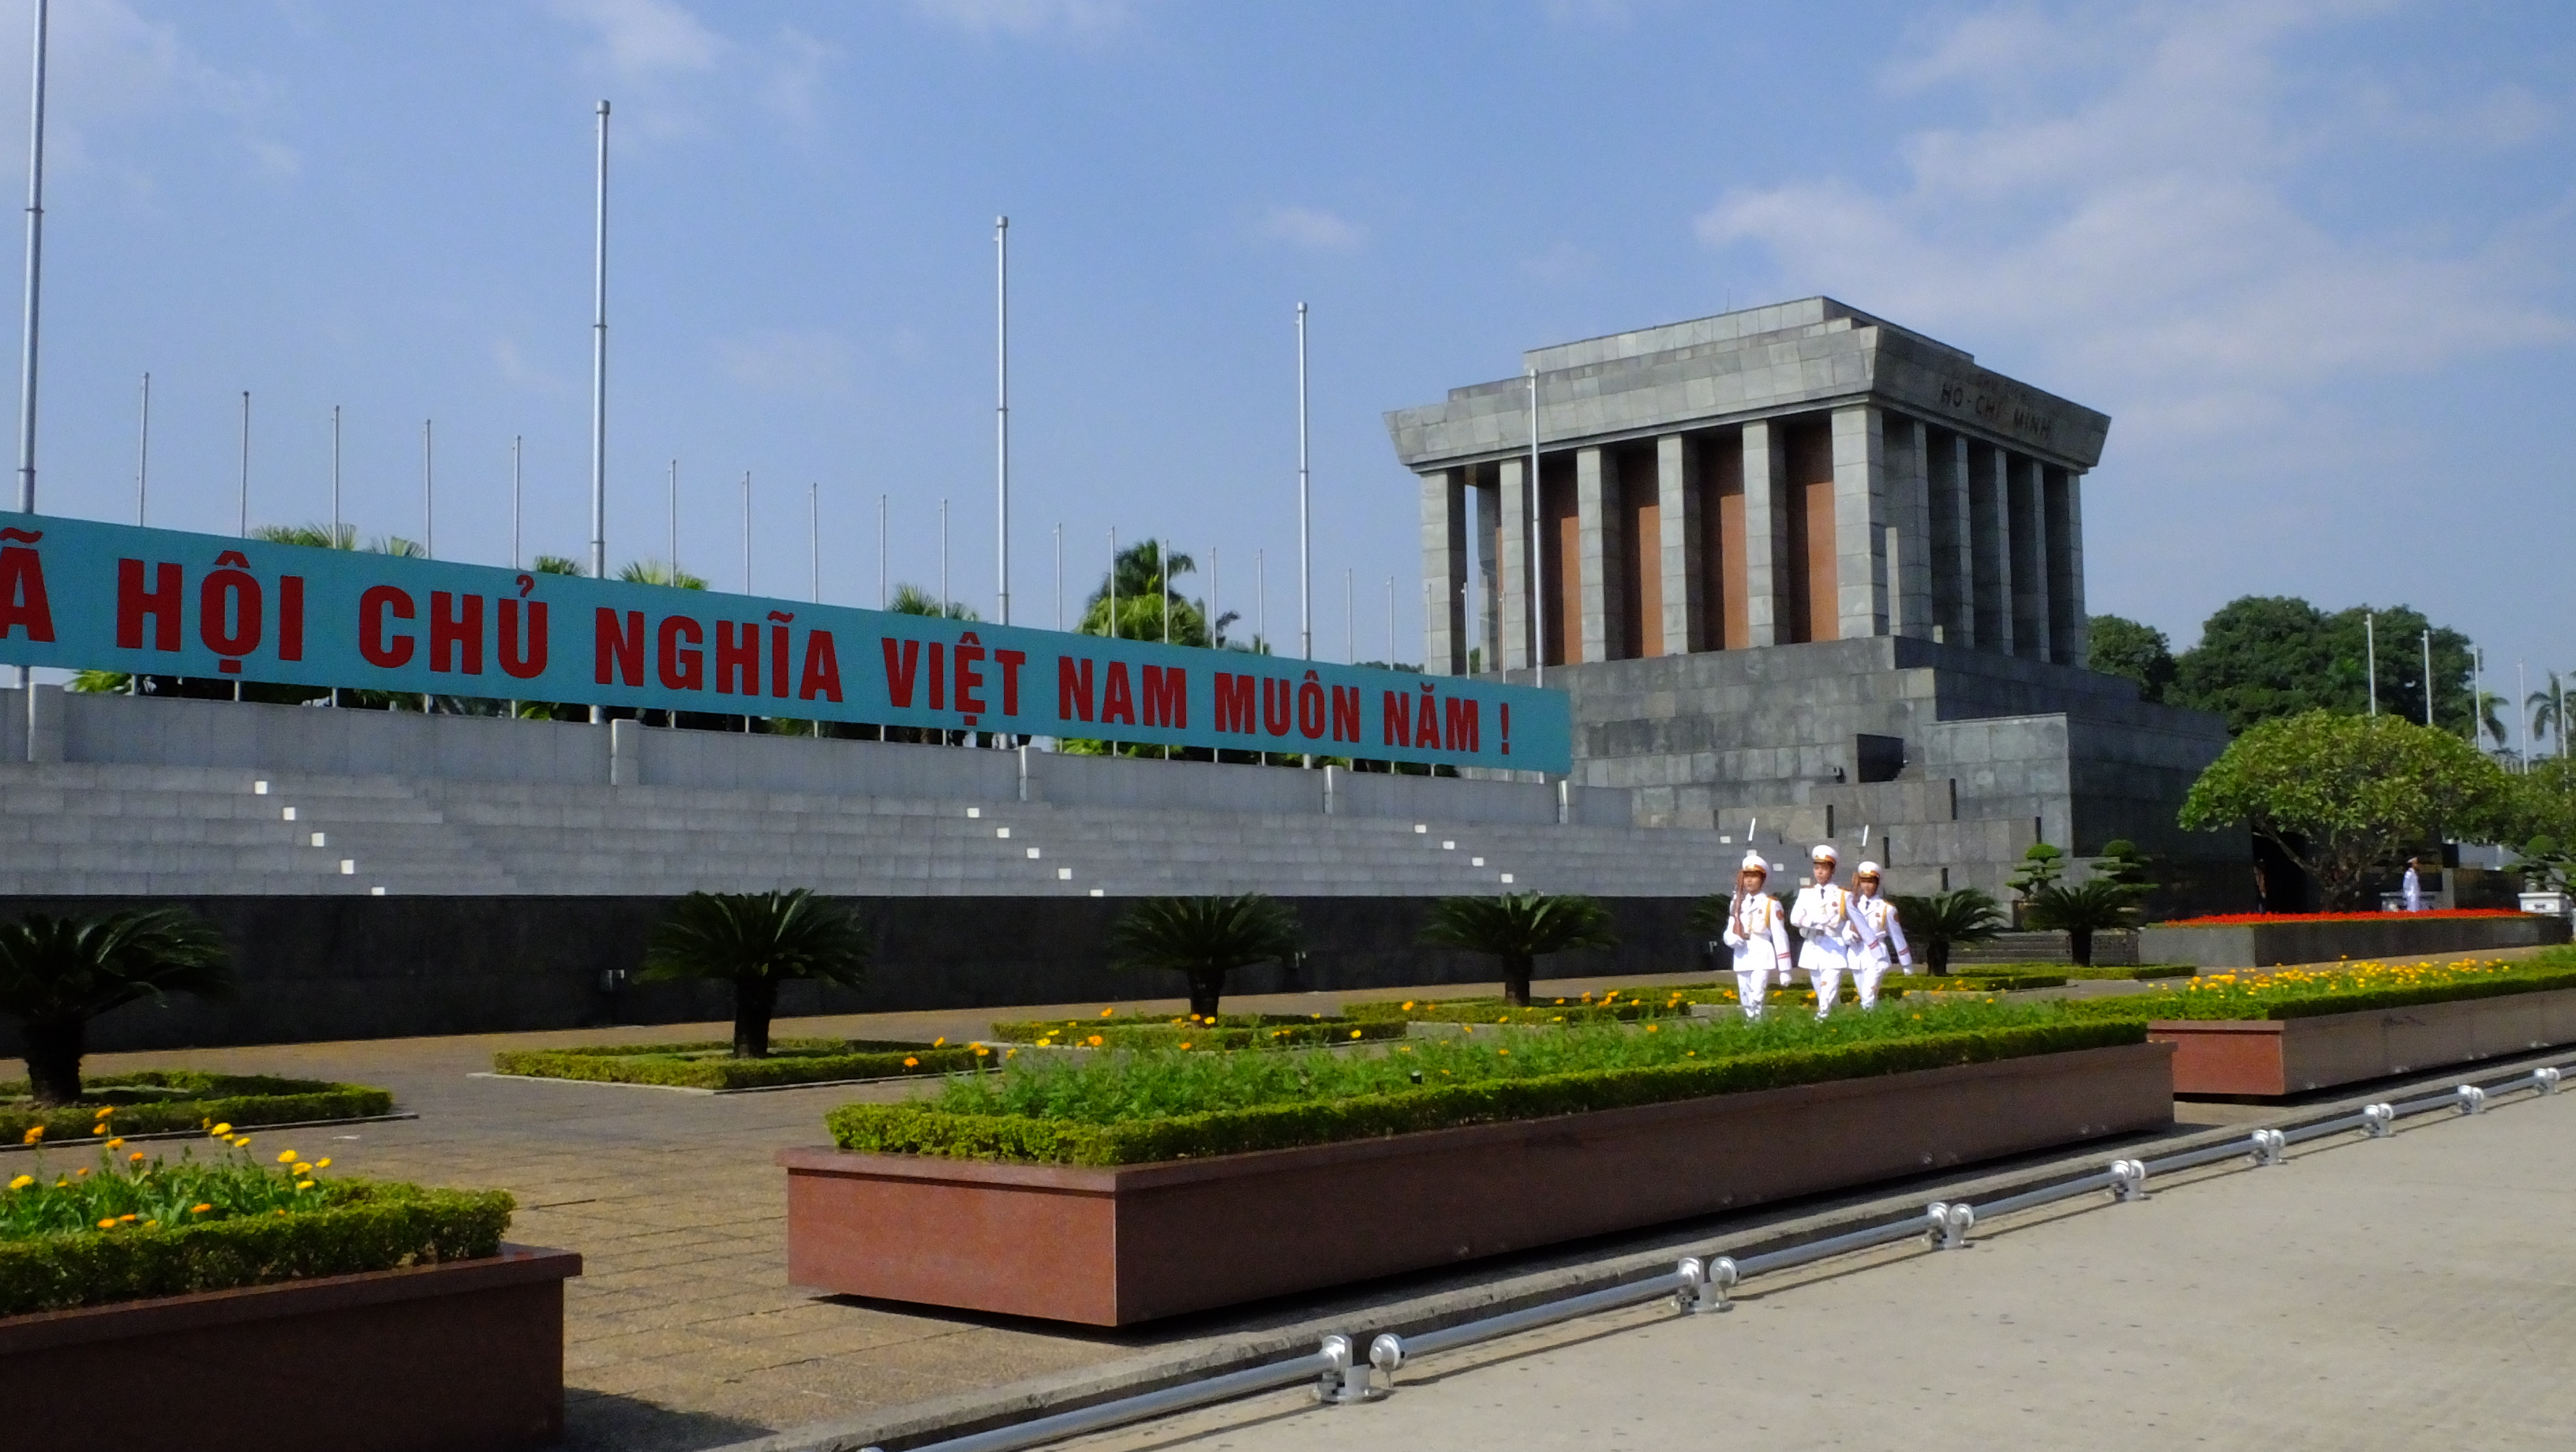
1755,932
1822,916
1882,935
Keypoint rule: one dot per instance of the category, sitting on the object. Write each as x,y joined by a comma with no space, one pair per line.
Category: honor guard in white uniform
1822,916
1882,936
1757,934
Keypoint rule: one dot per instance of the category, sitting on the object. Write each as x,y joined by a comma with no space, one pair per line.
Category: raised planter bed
465,1356
2333,939
1115,1246
2271,1057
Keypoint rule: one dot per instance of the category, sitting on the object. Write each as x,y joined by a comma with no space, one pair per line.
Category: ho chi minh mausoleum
1802,568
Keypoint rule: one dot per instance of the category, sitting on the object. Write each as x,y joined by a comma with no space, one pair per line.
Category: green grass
1628,1006
1139,1107
711,1065
2306,993
1226,1031
159,1101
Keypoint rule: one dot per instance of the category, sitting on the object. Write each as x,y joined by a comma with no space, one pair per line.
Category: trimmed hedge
909,1129
1482,1011
2145,1007
1230,1031
376,1227
703,1065
196,1098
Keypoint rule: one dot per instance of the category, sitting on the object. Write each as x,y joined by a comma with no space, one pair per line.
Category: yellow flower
1106,1012
1355,1033
1408,1003
105,1110
126,1219
981,1051
33,1135
117,1143
1651,1028
912,1063
22,1182
80,1173
286,1157
1502,1051
148,1224
304,1185
108,1224
199,1209
220,1130
1185,1043
323,1163
1095,1041
241,1142
306,1171
940,1042
134,1157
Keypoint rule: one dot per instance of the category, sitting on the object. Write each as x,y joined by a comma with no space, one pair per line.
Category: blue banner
89,596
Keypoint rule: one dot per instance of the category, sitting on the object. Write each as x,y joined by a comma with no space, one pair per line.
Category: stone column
1678,505
1860,522
1488,624
1444,573
1990,529
1515,579
1766,531
1597,520
2070,634
1909,528
2029,557
1954,565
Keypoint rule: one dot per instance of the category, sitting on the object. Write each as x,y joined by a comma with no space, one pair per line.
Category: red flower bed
2244,920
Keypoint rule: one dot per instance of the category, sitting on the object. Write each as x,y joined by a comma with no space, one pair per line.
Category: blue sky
2310,256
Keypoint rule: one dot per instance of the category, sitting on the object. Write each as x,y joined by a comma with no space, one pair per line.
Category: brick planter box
2268,1057
1111,1247
461,1357
2393,935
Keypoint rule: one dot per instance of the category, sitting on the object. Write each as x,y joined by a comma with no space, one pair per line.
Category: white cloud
1311,228
2127,211
787,360
643,41
1024,18
795,75
1562,263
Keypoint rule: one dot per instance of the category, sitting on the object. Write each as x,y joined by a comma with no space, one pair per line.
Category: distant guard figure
1822,916
1882,935
1757,934
2413,887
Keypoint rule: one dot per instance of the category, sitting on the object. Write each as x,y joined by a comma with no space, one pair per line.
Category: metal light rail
1696,1285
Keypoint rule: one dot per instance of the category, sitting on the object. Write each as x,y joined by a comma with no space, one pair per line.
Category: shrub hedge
1494,1010
708,1065
158,1101
373,1227
2170,1004
913,1129
1229,1031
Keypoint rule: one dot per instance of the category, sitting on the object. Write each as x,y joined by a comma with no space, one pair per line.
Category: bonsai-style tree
2041,866
1203,939
1519,928
2343,795
2096,904
756,941
2544,865
56,974
1936,924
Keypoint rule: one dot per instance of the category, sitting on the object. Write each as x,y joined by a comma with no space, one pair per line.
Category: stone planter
2389,935
2270,1057
461,1357
1110,1247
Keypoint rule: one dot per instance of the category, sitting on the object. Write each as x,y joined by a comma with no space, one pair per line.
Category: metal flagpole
671,506
814,541
428,511
143,449
244,494
1305,564
1002,416
2477,696
746,531
1390,620
1350,631
881,552
2521,719
1163,606
516,495
1538,627
1215,611
1260,602
2370,648
335,479
27,351
599,374
943,559
1113,582
2428,678
1059,577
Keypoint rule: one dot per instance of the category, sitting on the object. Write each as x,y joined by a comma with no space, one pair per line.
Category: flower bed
1225,1031
2309,992
2271,940
2243,920
1619,1005
712,1066
159,1101
1131,1178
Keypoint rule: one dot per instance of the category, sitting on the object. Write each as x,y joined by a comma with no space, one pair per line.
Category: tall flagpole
143,449
1002,416
814,541
428,499
27,353
515,498
335,483
1305,536
599,374
244,495
1538,626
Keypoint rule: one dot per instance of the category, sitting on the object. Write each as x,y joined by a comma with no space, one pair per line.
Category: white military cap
1825,853
1753,863
1866,869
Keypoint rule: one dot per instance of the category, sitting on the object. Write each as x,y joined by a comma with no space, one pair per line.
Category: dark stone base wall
319,968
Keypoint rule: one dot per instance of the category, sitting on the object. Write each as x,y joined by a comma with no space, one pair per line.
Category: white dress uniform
1822,916
1882,940
1759,938
2414,890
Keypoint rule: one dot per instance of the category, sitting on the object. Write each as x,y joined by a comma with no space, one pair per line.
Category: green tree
2343,794
2545,801
2094,905
1203,939
2123,647
756,941
1936,924
558,565
2548,709
1145,598
2544,864
913,600
2262,658
58,973
1519,928
658,572
311,536
2041,866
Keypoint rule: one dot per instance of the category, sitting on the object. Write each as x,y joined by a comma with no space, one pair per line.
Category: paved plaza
2416,1293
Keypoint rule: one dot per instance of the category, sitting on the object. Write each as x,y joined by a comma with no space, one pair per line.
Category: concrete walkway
2409,1294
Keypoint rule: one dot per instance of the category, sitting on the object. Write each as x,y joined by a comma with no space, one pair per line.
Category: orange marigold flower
912,1063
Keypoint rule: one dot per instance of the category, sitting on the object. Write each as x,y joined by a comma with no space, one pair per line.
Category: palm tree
1145,596
56,974
659,572
2548,708
311,536
914,600
1519,928
2095,904
2491,718
1204,938
756,941
1936,924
